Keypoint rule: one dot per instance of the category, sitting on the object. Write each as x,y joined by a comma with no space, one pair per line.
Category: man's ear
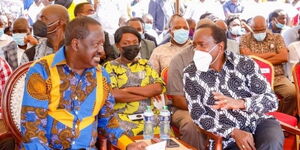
75,44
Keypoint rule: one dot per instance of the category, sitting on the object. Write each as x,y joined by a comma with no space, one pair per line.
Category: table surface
140,137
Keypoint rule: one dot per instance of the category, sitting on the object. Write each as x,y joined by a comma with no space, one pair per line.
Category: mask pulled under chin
130,52
202,60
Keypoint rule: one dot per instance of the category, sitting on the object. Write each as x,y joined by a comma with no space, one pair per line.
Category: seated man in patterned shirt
228,96
67,100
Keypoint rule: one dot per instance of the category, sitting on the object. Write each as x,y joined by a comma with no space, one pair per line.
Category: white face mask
203,59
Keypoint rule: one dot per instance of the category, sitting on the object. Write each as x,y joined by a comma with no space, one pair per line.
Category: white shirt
4,40
293,58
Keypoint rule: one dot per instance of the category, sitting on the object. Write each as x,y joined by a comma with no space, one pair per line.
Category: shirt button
76,126
76,112
73,142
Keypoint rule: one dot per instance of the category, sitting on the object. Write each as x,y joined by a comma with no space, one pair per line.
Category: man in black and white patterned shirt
227,95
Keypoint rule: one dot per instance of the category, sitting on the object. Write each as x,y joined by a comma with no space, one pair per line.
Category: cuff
123,141
247,103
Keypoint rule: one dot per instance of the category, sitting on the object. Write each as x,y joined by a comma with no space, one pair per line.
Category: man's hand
244,140
30,39
225,102
137,146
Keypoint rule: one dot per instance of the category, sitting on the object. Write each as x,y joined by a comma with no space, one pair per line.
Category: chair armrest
288,128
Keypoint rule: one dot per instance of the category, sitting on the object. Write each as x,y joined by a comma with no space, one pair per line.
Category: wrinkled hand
158,98
225,102
30,39
244,140
137,146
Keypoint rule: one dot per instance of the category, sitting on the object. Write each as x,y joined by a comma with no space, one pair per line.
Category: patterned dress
239,78
64,110
134,74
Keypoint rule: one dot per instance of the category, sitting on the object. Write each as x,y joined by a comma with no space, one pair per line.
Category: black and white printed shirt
239,78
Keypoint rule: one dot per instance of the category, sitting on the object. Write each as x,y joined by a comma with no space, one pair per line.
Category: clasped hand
224,102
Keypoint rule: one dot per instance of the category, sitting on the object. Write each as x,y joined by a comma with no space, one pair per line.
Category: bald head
258,24
221,24
55,11
21,26
204,21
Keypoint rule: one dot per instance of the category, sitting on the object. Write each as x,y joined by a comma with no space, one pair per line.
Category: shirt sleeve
154,60
108,125
175,75
155,77
34,109
263,99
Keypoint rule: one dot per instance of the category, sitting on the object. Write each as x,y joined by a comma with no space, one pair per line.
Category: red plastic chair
267,70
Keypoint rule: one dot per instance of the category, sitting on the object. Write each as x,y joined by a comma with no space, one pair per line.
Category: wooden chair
12,102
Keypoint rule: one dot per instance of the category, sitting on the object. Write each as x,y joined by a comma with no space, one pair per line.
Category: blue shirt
230,7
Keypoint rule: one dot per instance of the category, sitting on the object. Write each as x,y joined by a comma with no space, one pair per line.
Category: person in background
134,82
235,30
4,38
87,9
290,35
179,32
271,47
54,19
67,98
5,72
228,99
278,21
232,8
148,19
147,46
22,40
232,45
293,57
192,26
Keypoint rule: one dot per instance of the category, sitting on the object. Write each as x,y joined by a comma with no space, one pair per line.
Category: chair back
12,100
296,77
266,68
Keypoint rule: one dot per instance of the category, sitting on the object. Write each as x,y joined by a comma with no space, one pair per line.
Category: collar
60,58
230,56
169,44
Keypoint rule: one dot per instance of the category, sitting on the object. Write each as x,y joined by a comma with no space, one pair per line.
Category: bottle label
148,118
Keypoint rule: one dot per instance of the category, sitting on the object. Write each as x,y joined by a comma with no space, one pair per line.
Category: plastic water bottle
148,124
164,124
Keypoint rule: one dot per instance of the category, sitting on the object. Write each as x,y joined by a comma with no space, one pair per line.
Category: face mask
279,25
1,31
203,59
50,25
19,38
236,30
142,35
148,26
130,52
260,36
181,36
39,29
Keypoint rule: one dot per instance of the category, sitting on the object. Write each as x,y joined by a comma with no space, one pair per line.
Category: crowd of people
97,62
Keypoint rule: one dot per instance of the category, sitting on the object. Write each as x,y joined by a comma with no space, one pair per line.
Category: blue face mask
148,26
1,31
19,38
279,25
260,36
181,36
